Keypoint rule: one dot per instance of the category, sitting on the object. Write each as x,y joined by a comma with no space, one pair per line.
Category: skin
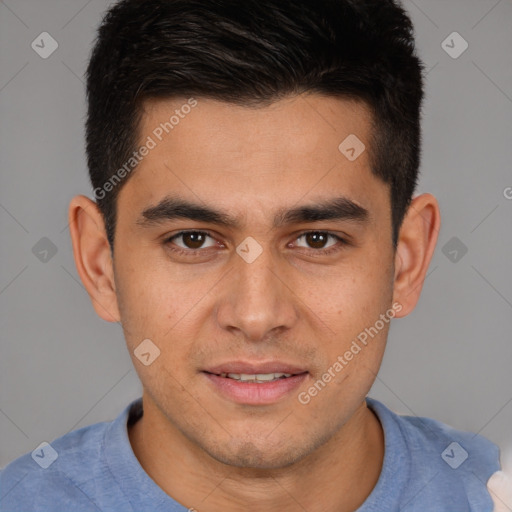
291,304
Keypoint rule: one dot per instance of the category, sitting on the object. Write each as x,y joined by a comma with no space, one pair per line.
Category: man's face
268,294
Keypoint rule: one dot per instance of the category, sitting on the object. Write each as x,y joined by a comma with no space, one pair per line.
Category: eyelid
327,233
170,238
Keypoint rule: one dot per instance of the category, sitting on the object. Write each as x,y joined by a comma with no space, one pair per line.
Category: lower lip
252,393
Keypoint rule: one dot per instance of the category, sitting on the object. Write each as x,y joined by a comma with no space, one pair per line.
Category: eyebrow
170,208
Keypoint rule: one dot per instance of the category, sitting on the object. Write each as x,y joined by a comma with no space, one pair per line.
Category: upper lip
255,368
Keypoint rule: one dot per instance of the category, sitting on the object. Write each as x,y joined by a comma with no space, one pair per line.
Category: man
255,232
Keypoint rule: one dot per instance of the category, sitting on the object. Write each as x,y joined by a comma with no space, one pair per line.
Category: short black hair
254,52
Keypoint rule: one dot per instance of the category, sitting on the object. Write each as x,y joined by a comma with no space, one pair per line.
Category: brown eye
191,240
317,239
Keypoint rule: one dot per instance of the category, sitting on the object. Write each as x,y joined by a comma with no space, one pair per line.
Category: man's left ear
416,244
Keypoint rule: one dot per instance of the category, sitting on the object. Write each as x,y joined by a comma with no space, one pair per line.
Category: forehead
263,157
291,126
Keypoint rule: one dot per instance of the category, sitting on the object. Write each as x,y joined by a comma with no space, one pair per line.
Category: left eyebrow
340,209
169,208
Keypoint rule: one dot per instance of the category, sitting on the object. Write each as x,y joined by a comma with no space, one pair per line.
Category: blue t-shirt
428,466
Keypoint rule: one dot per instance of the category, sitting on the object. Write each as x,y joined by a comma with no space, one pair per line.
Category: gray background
61,367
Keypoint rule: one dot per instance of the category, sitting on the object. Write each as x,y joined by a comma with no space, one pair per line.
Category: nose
257,300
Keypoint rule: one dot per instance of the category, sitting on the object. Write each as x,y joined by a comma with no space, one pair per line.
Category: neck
338,476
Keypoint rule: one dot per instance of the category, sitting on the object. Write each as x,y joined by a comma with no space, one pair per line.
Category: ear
416,243
92,255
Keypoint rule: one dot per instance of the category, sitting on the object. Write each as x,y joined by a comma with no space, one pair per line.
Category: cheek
351,303
352,296
144,298
153,307
156,301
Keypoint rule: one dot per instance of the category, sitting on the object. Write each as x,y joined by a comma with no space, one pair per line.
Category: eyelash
196,252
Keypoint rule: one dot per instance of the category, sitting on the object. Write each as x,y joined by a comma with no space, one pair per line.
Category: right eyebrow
171,208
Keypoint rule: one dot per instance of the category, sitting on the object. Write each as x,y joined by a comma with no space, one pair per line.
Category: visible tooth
245,377
260,377
266,376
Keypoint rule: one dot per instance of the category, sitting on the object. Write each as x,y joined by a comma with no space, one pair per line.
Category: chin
263,455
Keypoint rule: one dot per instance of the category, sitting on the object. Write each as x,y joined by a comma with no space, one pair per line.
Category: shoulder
445,464
56,475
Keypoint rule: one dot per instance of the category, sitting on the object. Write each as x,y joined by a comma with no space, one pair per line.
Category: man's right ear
92,256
